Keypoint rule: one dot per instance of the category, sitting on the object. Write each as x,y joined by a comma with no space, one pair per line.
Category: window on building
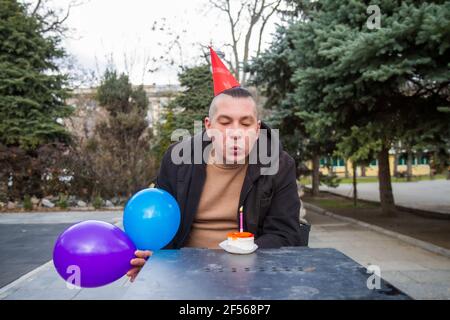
334,161
424,160
401,160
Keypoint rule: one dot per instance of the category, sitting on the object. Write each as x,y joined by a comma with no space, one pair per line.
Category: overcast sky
105,28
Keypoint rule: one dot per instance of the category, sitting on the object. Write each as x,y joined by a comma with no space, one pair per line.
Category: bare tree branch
36,8
243,21
255,15
275,5
56,25
52,20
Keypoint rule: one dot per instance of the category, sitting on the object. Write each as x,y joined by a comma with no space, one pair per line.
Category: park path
432,195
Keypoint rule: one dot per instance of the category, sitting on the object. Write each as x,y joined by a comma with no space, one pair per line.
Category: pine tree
272,72
32,92
32,101
191,105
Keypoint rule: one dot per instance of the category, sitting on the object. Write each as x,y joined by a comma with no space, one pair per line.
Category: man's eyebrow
246,118
224,117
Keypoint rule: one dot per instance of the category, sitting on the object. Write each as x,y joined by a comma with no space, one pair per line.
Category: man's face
233,129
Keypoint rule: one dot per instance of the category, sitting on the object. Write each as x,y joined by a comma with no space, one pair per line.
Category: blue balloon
151,218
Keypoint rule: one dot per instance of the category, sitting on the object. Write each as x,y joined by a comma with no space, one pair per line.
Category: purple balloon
93,253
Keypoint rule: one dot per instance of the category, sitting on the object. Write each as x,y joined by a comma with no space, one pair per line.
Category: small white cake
241,240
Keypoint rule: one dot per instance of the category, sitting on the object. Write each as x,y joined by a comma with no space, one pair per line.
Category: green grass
307,180
359,180
340,203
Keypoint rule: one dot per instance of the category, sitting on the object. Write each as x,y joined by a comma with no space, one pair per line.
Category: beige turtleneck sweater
218,207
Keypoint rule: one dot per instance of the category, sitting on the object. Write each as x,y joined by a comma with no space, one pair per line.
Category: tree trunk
4,186
409,165
384,180
315,175
363,170
355,191
432,164
346,168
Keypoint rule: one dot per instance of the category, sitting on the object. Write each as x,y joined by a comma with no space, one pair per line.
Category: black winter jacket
271,202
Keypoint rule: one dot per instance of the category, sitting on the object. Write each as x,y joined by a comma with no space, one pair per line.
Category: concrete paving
59,217
432,195
27,239
45,284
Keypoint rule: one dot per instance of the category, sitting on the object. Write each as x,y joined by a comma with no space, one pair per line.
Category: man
231,174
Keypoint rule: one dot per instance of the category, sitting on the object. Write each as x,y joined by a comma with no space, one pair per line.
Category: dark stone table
286,273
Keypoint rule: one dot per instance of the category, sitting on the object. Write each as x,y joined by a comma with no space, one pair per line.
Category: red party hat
222,77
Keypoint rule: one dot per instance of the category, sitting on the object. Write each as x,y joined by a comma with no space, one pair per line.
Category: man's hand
138,263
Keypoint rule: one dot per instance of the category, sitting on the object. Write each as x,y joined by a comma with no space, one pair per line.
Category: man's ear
207,122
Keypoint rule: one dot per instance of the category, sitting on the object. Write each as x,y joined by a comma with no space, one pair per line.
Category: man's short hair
236,92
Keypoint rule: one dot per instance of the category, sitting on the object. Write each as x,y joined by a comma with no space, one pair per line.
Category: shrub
62,201
27,204
98,202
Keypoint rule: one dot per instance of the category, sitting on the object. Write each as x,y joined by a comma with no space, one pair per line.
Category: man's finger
137,262
133,271
132,274
144,254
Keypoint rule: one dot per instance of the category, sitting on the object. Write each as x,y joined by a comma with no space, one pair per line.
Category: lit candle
241,219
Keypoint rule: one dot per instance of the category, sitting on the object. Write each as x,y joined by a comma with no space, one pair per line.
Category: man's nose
235,133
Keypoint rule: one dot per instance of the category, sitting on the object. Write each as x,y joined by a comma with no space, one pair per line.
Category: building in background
88,113
420,165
